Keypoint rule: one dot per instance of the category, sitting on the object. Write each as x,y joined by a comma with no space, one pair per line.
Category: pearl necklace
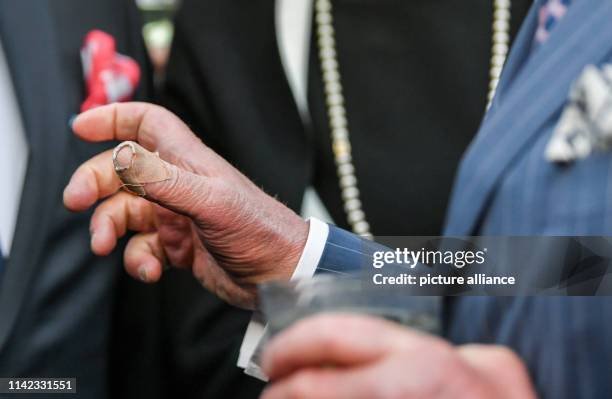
336,111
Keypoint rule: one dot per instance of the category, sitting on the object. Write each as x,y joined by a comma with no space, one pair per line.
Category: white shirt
13,157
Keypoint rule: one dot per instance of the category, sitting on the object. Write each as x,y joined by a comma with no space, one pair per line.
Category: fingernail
142,274
71,120
93,239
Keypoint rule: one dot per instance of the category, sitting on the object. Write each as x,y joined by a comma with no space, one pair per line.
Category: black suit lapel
28,36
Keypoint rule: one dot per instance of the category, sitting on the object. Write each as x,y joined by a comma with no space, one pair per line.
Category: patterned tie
551,12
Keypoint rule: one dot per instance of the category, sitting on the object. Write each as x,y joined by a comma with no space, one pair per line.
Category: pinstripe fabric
346,253
529,106
504,186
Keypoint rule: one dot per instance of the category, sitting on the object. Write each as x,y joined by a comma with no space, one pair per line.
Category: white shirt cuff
313,250
306,268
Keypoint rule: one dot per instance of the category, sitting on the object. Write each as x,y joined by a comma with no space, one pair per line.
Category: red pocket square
110,77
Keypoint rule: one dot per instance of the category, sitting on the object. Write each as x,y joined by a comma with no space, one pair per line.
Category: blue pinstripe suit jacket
505,186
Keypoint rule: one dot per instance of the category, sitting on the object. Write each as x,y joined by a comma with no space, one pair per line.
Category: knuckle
153,115
105,210
137,213
156,118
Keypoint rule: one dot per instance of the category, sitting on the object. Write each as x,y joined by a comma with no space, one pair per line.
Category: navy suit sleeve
346,253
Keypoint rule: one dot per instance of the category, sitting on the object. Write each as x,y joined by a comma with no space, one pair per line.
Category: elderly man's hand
357,357
206,216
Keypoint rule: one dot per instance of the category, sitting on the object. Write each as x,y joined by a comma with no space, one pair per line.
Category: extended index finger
152,126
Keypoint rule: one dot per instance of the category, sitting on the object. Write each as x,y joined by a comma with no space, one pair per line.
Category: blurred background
158,29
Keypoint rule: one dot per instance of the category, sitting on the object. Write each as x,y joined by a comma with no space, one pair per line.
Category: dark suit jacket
56,297
415,76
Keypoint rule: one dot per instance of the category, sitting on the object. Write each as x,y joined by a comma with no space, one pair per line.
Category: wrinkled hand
357,357
207,216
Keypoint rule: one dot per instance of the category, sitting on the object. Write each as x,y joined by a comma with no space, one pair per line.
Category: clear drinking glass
284,303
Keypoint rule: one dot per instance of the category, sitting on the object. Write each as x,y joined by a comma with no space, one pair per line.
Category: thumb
144,173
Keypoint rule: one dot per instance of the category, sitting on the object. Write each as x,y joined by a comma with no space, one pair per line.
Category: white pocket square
585,125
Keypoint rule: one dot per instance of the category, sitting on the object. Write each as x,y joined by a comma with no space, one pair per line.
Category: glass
284,303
